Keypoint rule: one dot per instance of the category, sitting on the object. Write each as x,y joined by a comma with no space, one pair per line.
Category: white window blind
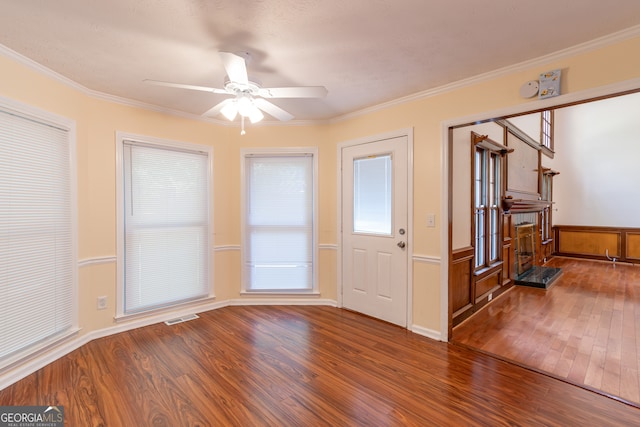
279,222
37,252
372,195
166,226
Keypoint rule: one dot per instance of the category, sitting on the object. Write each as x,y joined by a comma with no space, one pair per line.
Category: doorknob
401,244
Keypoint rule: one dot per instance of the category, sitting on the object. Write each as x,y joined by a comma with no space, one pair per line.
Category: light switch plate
431,220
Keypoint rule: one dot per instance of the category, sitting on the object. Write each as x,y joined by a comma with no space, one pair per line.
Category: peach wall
98,120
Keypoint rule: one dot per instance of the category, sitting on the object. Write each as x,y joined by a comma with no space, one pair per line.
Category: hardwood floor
584,329
300,366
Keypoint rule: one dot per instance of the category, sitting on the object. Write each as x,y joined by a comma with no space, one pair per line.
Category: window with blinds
278,229
37,230
166,226
372,196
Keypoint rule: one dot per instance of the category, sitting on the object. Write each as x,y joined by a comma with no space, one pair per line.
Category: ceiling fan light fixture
230,111
256,115
245,105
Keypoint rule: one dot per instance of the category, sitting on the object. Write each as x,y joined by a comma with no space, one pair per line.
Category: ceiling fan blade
235,66
272,109
215,110
294,92
183,86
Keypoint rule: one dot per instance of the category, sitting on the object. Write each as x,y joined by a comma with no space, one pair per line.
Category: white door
374,229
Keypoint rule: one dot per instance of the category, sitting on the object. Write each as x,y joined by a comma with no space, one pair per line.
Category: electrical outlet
102,302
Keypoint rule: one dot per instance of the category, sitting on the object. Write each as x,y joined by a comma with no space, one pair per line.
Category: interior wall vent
181,319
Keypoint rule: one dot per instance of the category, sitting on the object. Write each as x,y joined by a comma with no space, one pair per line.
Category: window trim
546,192
488,150
278,151
546,132
69,125
120,139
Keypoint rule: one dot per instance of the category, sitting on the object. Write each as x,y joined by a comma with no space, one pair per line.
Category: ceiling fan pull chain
242,132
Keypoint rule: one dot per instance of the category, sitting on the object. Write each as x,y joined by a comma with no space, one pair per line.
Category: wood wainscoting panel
507,221
490,283
621,243
461,283
633,246
507,264
589,242
507,248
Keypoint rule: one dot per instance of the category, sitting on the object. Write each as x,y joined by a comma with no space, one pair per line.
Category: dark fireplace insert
524,247
527,273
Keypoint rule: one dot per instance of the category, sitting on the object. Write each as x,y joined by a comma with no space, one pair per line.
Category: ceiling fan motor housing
251,88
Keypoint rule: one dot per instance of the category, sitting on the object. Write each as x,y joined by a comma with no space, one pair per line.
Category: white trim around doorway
408,132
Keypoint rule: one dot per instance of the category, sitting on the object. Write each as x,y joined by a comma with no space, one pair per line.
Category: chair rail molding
426,259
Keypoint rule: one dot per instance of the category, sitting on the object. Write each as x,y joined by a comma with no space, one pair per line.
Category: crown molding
39,68
47,72
151,107
589,46
558,55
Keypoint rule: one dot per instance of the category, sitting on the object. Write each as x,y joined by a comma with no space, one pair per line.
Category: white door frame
408,132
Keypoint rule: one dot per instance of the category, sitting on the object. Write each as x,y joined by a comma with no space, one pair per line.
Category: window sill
547,151
482,271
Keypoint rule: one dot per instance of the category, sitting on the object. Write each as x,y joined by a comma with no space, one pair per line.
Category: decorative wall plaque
549,84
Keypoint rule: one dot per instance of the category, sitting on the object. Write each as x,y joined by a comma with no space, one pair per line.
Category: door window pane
372,195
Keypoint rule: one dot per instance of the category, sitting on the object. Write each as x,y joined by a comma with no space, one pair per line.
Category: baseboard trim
282,301
33,363
40,361
426,332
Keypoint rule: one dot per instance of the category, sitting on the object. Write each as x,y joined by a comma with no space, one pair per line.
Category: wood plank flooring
300,366
585,328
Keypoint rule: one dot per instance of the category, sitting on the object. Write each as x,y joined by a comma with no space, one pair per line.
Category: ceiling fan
248,97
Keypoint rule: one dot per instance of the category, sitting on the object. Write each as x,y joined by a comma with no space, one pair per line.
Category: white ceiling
365,52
